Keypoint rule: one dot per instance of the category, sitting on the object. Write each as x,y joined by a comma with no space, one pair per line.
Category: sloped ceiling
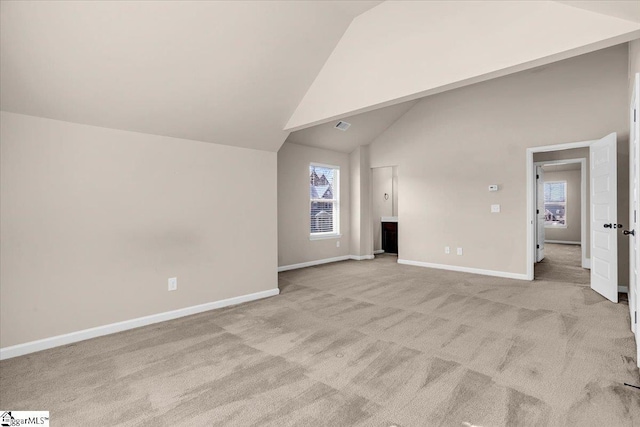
404,50
624,9
225,72
364,128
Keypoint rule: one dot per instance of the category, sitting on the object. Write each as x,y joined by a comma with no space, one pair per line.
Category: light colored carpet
355,343
563,263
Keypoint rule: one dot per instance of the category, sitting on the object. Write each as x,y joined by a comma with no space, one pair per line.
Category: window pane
555,191
321,217
321,182
555,197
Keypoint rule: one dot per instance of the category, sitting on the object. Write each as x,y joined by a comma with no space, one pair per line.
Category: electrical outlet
338,244
173,283
459,251
447,250
495,208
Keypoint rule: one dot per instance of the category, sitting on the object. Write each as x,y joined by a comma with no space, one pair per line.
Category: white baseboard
323,261
312,263
361,257
563,242
505,274
586,263
379,251
47,343
623,288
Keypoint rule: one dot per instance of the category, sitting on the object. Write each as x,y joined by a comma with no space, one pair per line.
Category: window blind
323,199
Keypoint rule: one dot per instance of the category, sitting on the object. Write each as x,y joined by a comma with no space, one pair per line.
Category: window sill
324,236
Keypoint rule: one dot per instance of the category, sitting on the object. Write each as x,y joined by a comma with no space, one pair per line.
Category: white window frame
335,234
566,202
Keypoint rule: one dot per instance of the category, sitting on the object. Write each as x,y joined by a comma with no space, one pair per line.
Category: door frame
586,262
531,241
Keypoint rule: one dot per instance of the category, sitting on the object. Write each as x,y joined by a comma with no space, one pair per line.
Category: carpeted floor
356,343
563,263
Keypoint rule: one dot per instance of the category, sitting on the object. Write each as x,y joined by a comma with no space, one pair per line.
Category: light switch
495,208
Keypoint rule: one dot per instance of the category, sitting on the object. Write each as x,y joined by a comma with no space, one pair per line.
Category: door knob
627,232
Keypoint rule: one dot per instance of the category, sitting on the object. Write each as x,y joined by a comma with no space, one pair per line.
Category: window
324,201
555,204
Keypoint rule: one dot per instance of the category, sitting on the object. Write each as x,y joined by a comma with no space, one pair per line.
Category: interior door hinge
537,176
635,317
634,115
537,246
537,211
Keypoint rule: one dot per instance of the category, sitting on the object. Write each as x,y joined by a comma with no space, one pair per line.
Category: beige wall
582,153
395,190
294,246
361,206
381,183
451,146
570,233
94,221
634,57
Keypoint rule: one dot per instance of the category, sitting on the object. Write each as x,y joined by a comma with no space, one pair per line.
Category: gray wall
449,147
570,233
294,245
94,221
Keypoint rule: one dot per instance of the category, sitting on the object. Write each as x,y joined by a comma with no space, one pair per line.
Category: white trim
324,261
85,334
562,242
379,251
623,289
586,263
495,273
361,257
530,201
317,236
312,263
324,165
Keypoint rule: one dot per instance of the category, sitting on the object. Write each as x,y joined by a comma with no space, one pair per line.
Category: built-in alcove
384,207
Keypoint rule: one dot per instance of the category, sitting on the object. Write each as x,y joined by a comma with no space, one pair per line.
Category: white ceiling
235,72
624,9
404,50
225,72
364,128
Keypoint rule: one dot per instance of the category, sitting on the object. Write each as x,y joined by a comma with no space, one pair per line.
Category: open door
634,221
604,217
540,213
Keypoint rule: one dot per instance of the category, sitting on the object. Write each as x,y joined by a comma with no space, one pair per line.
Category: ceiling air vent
343,125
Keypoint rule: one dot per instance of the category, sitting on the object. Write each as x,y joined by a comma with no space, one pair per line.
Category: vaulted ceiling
404,50
225,72
246,73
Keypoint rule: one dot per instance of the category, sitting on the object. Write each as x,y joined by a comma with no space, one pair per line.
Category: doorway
603,226
561,216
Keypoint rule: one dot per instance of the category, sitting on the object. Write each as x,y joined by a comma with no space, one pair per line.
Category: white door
604,217
540,213
634,241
